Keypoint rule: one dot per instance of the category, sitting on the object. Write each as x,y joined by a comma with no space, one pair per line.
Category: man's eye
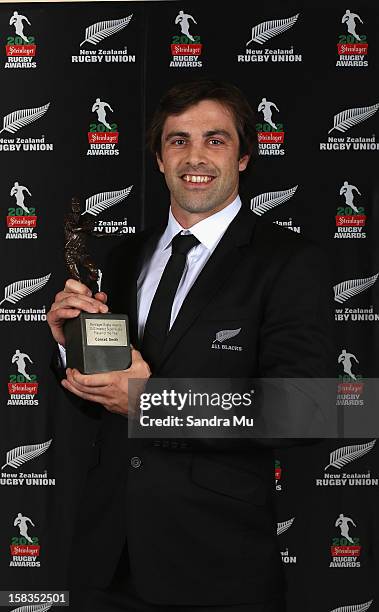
215,141
178,141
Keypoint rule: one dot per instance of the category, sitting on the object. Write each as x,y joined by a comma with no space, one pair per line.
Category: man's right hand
69,303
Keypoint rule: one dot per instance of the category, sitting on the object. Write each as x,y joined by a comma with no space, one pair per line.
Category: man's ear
243,162
160,163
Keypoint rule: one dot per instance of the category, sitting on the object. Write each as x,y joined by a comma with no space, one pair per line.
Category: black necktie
158,320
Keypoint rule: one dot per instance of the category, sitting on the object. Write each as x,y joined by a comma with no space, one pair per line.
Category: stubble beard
198,202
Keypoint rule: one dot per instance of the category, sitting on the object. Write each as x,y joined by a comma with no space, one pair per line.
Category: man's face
200,158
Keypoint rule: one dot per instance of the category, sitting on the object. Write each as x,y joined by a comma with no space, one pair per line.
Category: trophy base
98,343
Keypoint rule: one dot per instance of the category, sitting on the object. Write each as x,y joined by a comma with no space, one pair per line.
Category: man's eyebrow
207,134
174,133
220,132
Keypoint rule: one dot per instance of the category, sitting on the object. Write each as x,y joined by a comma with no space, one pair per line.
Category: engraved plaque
106,332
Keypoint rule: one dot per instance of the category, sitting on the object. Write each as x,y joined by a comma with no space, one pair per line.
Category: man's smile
197,178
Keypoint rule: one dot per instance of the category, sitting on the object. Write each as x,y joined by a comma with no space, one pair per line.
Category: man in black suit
190,524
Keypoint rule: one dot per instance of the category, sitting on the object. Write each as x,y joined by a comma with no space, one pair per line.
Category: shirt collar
208,231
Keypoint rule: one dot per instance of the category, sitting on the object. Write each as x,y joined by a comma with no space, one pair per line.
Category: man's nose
196,154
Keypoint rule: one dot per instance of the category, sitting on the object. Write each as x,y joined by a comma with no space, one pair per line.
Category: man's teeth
193,178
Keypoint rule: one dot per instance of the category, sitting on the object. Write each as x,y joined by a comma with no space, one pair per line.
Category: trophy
94,342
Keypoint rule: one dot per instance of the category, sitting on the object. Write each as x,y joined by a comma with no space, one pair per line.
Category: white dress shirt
209,232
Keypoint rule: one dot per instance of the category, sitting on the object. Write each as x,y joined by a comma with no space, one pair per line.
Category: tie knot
182,243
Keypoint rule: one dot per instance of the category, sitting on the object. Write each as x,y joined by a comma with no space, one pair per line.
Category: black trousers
123,598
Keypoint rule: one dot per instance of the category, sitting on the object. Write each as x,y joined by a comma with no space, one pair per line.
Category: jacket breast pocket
227,480
226,328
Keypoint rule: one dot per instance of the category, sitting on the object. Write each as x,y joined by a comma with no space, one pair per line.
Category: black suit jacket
198,520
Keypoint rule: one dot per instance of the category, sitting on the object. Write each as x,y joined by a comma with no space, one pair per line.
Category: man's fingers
90,381
74,286
92,397
60,314
101,296
85,303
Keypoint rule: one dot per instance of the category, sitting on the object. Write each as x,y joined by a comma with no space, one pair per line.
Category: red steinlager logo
278,475
345,550
270,134
24,549
352,48
350,218
185,47
20,49
102,135
21,218
351,385
22,387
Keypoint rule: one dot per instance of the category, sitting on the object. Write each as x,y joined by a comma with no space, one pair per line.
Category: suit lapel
144,249
219,266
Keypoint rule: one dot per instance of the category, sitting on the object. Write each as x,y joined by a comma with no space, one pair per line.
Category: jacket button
136,462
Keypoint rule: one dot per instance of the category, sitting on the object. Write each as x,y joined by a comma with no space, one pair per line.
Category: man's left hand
108,388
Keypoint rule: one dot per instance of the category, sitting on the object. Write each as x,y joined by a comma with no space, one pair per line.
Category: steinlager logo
21,218
352,48
22,387
20,48
102,135
24,549
278,475
185,47
270,134
345,550
350,219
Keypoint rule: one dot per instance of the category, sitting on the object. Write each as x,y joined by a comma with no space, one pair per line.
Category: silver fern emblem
354,608
18,119
33,608
102,29
343,455
21,454
345,120
267,29
225,334
18,290
282,527
265,201
347,289
100,201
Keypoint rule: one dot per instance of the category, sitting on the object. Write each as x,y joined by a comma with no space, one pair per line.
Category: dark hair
182,96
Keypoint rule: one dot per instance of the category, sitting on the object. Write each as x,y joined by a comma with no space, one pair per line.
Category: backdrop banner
79,84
